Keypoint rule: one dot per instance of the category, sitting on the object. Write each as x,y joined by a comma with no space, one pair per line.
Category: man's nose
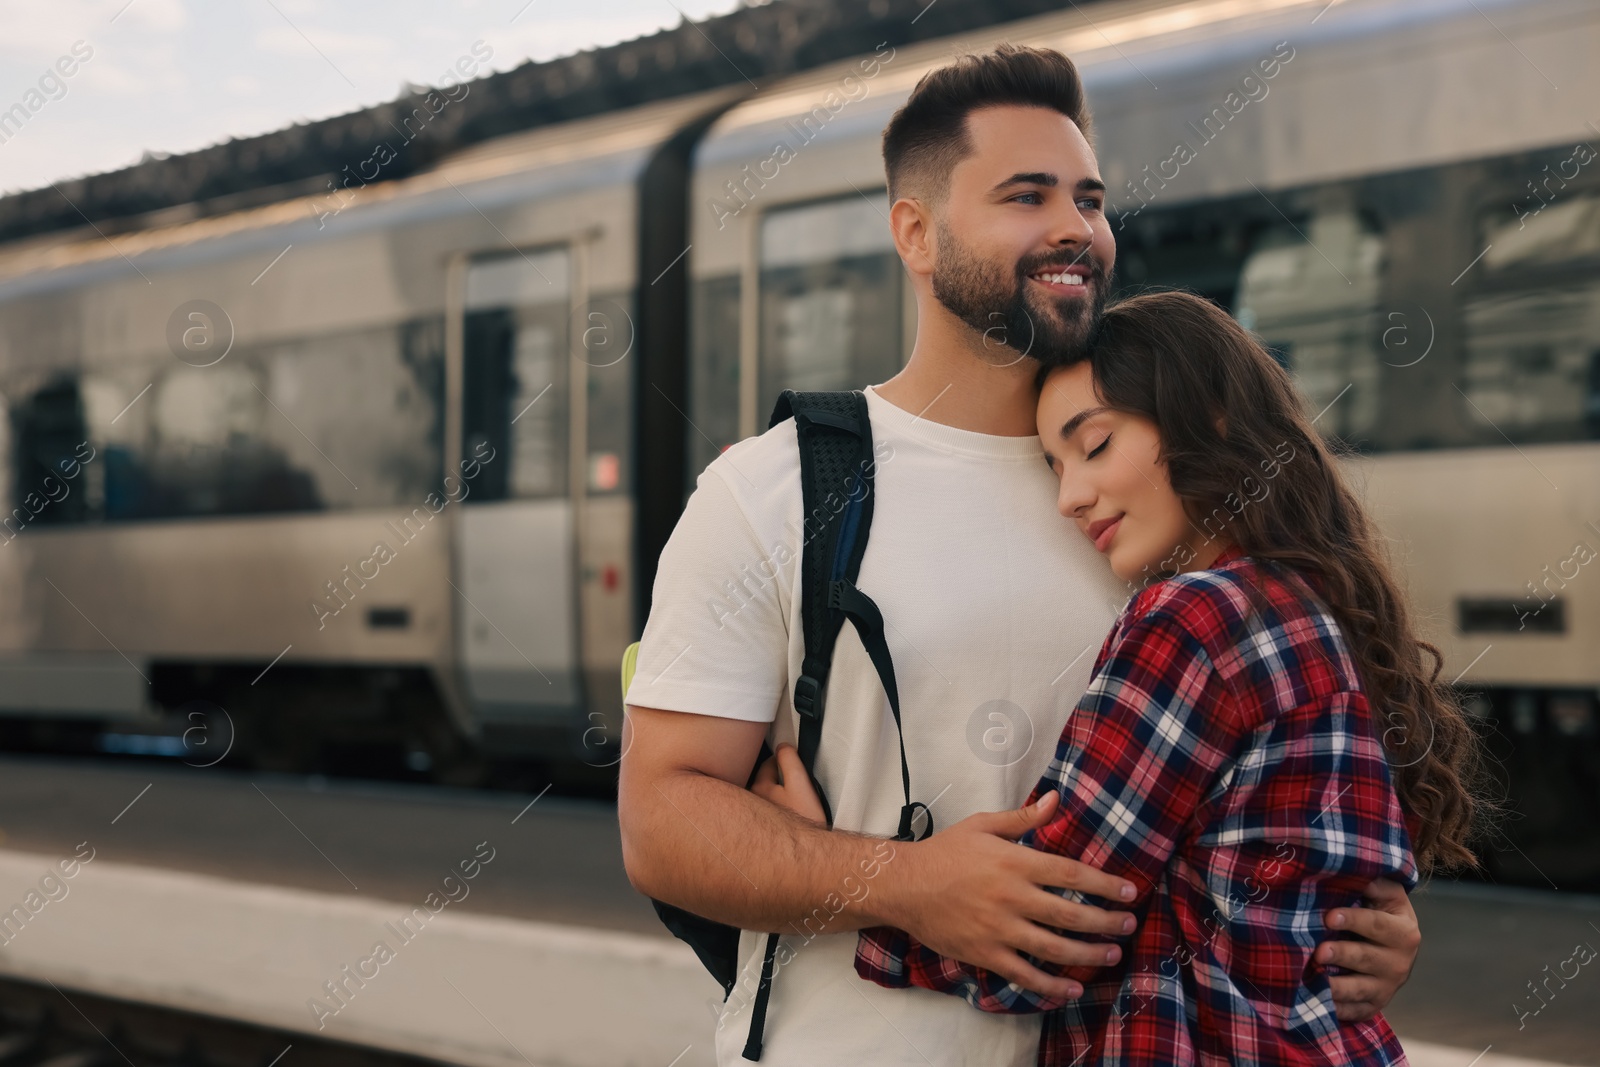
1070,229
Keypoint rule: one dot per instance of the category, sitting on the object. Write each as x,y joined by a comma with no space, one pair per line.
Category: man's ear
911,224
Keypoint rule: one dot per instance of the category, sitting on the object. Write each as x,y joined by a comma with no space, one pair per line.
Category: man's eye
1037,199
1089,204
1099,448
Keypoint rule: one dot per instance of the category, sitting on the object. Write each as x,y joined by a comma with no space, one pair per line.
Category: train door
518,642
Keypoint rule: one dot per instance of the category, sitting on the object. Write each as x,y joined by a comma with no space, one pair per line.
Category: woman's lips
1103,540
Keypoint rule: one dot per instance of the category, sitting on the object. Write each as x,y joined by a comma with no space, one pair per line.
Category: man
994,607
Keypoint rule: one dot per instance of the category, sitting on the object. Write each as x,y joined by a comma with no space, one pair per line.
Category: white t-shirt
994,608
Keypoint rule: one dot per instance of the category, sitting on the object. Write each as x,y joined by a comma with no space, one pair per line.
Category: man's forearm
719,851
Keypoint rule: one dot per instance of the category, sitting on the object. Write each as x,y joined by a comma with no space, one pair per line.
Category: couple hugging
1221,813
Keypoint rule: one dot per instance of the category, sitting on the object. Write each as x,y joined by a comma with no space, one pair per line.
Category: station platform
263,898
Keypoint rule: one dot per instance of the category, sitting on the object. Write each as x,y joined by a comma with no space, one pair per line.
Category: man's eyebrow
1045,178
1071,426
1029,177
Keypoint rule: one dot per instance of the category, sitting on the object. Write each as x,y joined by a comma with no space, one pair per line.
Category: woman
1229,757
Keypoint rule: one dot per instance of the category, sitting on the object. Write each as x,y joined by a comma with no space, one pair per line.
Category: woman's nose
1074,497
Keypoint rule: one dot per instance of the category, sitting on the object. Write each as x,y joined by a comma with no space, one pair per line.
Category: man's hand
783,780
1379,964
693,836
970,893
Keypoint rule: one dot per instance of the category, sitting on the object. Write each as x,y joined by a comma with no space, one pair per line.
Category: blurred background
357,360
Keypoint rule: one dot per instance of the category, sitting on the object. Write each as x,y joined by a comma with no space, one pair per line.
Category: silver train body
301,491
1396,197
1402,199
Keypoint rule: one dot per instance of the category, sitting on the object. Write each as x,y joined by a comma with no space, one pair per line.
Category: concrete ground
558,861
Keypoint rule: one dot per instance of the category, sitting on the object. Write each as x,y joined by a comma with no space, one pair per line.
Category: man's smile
1068,279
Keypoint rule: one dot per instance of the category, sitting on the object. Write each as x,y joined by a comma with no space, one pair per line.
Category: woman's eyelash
1099,448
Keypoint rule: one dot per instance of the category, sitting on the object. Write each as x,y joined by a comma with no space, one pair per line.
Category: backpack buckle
808,697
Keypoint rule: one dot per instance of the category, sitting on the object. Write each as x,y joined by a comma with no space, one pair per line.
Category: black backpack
836,480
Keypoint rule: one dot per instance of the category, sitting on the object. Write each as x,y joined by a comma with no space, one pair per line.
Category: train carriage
1398,198
356,467
1402,200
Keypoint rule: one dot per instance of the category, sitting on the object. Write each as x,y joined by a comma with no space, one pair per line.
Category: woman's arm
782,780
1375,964
1136,759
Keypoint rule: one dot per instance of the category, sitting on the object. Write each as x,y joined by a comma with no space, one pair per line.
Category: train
389,462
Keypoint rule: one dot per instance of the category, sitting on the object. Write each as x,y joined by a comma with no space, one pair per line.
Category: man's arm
693,836
1377,966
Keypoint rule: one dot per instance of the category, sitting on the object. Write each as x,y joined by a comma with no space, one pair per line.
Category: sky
171,76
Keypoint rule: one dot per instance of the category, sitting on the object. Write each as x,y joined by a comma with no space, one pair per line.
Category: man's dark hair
928,135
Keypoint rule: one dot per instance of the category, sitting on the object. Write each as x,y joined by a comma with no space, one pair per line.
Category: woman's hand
783,780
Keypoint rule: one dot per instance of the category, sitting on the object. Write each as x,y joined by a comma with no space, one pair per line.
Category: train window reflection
814,338
1309,289
345,421
516,367
818,233
210,450
1556,233
606,347
51,438
1532,363
518,281
1532,367
538,451
830,297
714,375
1311,294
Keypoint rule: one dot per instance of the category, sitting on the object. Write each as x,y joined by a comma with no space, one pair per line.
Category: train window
212,450
516,366
1308,288
50,435
1201,251
346,421
1311,294
605,346
1532,368
1532,362
830,297
518,281
1559,233
714,378
358,410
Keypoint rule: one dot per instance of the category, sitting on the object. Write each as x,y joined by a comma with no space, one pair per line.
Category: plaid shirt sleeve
1147,743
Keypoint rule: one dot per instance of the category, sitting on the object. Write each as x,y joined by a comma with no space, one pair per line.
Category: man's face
1024,250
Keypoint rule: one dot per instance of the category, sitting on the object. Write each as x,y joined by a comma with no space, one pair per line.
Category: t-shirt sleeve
717,639
1138,755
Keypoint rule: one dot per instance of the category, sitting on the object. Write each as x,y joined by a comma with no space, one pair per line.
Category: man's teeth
1062,279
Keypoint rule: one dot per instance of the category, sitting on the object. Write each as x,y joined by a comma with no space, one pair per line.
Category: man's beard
980,294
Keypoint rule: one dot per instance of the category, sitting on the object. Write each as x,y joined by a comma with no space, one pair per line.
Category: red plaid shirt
1223,760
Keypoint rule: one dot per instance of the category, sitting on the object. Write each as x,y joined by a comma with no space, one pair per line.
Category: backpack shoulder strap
837,465
836,482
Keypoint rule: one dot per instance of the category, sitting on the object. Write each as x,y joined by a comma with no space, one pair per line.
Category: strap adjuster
908,818
808,697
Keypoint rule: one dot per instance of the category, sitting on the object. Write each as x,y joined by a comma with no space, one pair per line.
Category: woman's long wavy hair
1225,409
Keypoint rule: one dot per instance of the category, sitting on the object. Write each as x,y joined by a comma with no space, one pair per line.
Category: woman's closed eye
1099,448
